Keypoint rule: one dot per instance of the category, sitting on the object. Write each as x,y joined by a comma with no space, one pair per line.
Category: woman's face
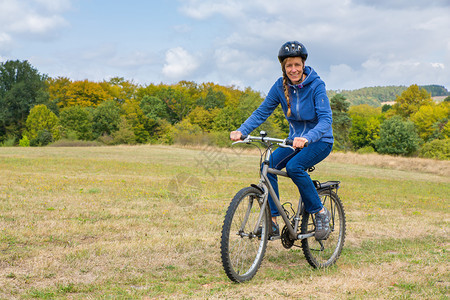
294,69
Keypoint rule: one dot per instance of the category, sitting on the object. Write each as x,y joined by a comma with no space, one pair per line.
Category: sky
351,43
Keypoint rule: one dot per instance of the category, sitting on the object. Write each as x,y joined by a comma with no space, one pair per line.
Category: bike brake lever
246,141
284,145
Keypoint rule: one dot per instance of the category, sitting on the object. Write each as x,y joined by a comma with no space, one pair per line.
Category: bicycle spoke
242,250
325,252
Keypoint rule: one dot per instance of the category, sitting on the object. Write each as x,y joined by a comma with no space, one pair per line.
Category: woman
305,104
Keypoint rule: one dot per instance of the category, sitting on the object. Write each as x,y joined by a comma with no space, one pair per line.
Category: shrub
10,141
165,132
43,120
125,134
397,137
44,137
106,139
366,150
439,149
24,142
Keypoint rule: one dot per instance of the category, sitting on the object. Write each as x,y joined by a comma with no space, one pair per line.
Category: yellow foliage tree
58,88
411,100
427,116
82,93
120,89
203,118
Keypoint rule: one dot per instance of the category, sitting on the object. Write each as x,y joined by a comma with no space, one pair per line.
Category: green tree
154,108
385,107
213,99
341,121
144,126
42,119
106,118
77,120
179,106
228,119
21,88
410,101
397,137
366,121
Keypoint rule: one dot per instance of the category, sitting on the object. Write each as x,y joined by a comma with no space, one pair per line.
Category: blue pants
296,162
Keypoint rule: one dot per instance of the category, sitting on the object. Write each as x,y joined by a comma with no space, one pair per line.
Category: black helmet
292,49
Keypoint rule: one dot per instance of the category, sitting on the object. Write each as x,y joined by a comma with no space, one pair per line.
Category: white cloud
354,42
179,64
5,41
32,18
37,25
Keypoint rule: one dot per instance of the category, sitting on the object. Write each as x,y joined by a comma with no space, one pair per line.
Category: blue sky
351,43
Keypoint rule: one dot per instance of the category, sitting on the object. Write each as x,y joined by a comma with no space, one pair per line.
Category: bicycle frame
267,188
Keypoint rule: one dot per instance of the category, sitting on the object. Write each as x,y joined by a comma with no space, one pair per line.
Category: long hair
286,85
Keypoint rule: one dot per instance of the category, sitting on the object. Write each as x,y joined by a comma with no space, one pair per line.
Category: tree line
36,110
377,95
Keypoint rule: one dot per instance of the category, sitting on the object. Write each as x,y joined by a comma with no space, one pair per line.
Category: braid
286,94
286,88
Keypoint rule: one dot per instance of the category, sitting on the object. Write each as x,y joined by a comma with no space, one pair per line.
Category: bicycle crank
286,240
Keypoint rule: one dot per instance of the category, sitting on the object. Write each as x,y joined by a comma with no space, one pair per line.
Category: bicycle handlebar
280,142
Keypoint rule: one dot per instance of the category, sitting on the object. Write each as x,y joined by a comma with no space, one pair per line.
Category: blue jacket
311,115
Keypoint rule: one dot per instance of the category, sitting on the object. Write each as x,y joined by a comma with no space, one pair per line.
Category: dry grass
432,166
145,221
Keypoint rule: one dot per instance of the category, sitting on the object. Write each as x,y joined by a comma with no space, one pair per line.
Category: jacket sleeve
262,112
324,115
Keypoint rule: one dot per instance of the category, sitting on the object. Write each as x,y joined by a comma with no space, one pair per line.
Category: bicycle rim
241,250
325,253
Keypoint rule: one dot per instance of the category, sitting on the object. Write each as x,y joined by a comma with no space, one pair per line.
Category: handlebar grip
291,142
243,137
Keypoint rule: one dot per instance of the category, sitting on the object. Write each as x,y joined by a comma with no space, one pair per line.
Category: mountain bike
247,227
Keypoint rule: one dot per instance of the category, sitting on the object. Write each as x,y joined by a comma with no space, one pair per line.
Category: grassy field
144,222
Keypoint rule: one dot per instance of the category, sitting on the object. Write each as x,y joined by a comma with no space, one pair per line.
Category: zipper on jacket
297,105
304,128
293,128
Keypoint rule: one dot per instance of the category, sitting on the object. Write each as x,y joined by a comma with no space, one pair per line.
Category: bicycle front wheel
243,247
324,253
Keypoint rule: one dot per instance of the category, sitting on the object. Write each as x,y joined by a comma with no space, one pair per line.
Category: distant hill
377,95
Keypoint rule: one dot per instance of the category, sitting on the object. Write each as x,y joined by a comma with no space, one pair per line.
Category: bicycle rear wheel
324,253
242,249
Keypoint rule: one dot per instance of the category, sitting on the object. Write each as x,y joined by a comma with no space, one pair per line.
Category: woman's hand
235,135
299,142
